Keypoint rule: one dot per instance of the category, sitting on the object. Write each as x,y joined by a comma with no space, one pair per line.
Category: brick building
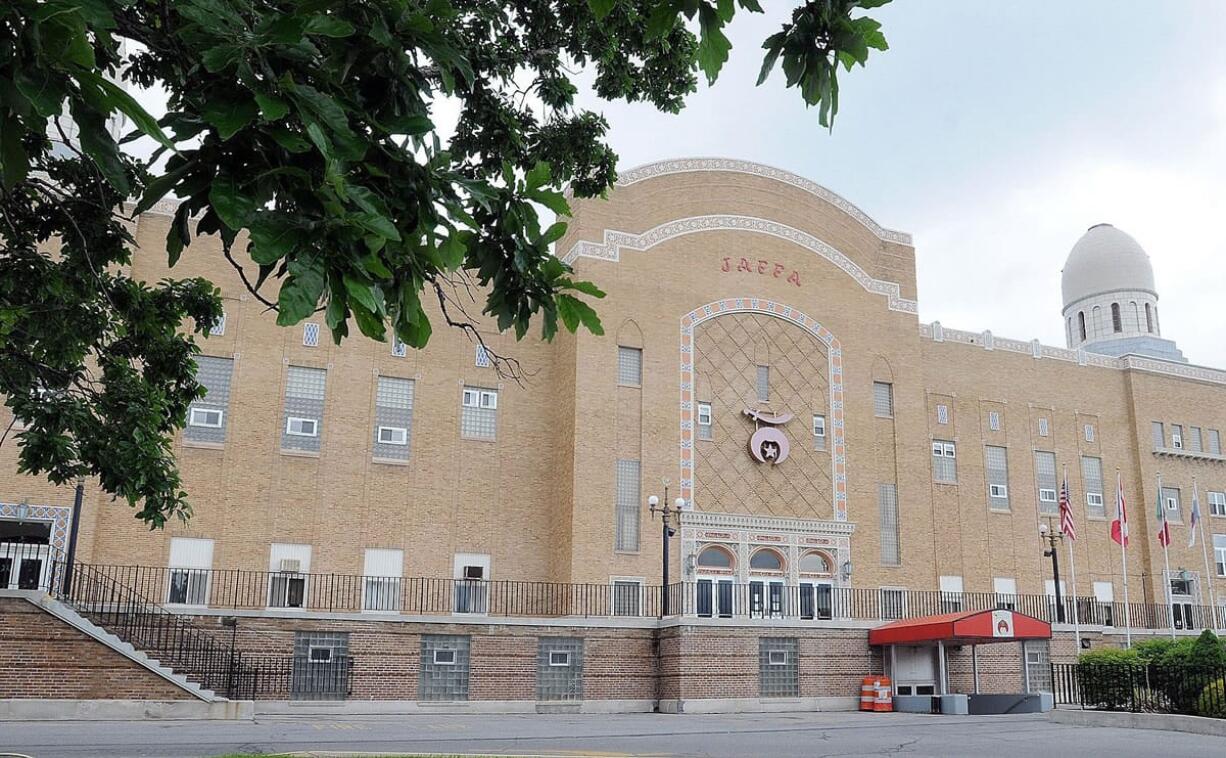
838,463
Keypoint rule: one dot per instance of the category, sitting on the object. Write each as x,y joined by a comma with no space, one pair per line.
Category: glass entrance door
25,556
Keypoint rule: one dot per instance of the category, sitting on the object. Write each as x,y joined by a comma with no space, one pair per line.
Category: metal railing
1142,688
233,589
301,677
122,610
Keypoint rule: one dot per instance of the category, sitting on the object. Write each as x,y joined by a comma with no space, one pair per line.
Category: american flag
1066,512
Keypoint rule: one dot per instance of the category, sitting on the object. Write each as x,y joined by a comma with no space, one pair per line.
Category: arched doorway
714,576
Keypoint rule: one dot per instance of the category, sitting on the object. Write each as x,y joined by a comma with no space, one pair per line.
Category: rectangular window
302,427
819,432
942,414
887,503
191,560
382,574
481,357
393,418
206,419
472,589
883,399
1006,592
1194,439
1217,503
1092,479
951,594
1219,554
1089,432
704,421
1159,435
478,414
893,603
1215,442
627,597
1043,427
1177,436
1104,602
994,421
778,667
1045,477
626,506
764,384
559,669
289,566
210,418
944,462
304,408
996,460
399,350
444,667
219,326
1170,496
310,334
630,366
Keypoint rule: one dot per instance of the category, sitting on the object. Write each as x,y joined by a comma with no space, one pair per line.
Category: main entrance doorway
25,554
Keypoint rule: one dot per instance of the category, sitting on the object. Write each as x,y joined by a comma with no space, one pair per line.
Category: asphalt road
789,734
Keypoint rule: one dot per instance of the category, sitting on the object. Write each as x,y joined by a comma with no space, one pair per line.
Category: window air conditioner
291,566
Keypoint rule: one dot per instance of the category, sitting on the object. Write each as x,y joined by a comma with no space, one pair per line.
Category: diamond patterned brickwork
727,354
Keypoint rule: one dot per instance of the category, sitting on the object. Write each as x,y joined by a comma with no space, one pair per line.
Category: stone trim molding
731,165
59,517
986,340
614,241
838,454
704,520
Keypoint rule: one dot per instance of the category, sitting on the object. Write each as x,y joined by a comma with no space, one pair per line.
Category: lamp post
72,535
668,513
1052,535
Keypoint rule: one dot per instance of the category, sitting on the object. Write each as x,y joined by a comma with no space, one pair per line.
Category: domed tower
1110,302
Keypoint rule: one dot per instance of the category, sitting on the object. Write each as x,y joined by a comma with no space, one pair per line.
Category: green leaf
232,206
554,233
586,288
538,176
452,250
41,89
360,291
301,290
773,46
274,236
14,163
330,26
221,57
229,116
554,201
601,8
272,107
581,312
157,189
119,98
714,46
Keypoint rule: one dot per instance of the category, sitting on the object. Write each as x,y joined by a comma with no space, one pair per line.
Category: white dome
1105,260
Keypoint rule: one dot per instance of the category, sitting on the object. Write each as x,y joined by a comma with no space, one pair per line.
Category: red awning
962,628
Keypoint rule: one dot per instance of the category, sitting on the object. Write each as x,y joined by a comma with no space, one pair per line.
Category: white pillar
975,665
943,683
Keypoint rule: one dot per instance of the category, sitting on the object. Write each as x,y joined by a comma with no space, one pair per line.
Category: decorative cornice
703,520
986,340
615,241
731,165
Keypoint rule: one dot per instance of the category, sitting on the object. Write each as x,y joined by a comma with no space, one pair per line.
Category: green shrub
1212,700
1113,656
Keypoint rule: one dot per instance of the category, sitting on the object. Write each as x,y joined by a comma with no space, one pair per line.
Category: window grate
883,399
626,506
994,421
629,366
310,334
1043,427
1092,480
219,326
482,357
996,463
1045,476
887,504
942,414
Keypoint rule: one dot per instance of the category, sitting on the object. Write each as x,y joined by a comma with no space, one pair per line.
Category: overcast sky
996,133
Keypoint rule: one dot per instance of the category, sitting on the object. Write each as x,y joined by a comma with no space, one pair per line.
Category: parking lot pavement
784,734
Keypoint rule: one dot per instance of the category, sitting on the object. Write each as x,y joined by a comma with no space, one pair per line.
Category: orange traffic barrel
883,702
868,692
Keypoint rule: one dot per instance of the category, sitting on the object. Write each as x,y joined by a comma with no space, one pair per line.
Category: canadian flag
1164,531
1119,525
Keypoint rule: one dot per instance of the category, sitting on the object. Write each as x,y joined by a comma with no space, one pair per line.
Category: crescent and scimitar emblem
768,444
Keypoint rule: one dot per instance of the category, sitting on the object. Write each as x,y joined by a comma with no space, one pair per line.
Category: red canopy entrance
962,628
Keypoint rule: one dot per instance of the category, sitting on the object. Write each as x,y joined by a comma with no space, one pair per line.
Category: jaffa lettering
762,268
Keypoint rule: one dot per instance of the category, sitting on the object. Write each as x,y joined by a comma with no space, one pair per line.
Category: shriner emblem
768,444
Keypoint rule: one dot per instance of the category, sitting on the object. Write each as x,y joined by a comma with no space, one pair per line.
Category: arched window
1117,323
1136,316
1081,324
1068,329
766,560
814,563
1096,321
1149,319
715,558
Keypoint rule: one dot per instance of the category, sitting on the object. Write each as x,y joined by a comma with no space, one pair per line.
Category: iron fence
301,677
234,589
1142,688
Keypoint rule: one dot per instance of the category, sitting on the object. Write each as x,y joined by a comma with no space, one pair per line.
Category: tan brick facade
838,293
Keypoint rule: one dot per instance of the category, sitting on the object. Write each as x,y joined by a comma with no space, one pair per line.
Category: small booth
921,651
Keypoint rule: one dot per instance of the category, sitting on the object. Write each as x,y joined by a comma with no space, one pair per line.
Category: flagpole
1121,513
1166,559
1072,565
1204,549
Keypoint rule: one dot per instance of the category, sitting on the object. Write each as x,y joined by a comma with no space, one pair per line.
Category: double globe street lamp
669,514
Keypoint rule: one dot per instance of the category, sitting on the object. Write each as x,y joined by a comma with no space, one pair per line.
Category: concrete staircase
70,616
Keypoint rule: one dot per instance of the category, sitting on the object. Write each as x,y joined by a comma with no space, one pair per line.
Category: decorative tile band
58,515
838,464
731,165
615,241
938,333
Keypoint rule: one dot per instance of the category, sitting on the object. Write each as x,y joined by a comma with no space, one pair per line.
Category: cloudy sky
996,133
